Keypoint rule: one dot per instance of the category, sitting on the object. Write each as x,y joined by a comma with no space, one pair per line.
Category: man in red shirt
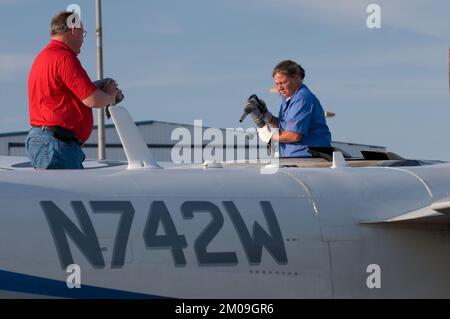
61,97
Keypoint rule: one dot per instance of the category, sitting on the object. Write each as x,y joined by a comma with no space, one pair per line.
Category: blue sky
178,61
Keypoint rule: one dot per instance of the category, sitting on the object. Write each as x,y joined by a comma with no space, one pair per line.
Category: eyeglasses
84,31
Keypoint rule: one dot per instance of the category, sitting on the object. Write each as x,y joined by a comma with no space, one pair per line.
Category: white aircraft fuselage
231,232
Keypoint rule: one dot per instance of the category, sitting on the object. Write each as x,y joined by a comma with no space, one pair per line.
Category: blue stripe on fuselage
11,281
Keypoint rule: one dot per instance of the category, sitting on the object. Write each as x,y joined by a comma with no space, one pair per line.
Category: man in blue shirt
301,120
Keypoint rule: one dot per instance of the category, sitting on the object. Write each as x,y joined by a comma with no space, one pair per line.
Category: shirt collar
60,44
285,100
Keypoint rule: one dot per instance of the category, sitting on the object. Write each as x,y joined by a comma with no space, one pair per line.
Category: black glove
257,117
101,83
262,107
253,99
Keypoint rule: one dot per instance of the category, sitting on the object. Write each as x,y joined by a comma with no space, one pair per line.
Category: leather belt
61,134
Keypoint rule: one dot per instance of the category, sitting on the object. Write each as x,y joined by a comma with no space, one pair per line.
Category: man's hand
119,96
262,107
110,86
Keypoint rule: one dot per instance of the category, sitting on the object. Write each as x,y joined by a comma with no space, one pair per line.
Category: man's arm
287,137
76,79
99,99
104,96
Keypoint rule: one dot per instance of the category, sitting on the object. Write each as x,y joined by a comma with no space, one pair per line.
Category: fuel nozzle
244,115
252,109
248,110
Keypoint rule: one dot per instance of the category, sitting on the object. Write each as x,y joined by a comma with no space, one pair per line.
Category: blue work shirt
303,114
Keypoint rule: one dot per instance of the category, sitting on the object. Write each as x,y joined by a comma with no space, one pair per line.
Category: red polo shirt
57,84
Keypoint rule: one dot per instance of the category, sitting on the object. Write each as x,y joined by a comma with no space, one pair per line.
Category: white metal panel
306,274
344,197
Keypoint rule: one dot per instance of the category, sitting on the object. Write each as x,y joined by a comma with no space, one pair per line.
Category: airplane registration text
86,240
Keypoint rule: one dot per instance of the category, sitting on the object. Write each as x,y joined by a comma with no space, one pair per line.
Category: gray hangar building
162,137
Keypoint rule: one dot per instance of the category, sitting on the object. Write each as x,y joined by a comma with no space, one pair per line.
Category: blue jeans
47,152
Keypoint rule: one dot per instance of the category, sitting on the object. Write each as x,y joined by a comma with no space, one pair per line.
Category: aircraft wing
435,213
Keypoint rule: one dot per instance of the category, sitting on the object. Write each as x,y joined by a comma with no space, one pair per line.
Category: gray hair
289,68
59,25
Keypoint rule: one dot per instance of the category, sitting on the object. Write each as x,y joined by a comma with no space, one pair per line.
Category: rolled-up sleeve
75,77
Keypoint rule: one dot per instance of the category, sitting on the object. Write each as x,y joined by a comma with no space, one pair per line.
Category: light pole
100,111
